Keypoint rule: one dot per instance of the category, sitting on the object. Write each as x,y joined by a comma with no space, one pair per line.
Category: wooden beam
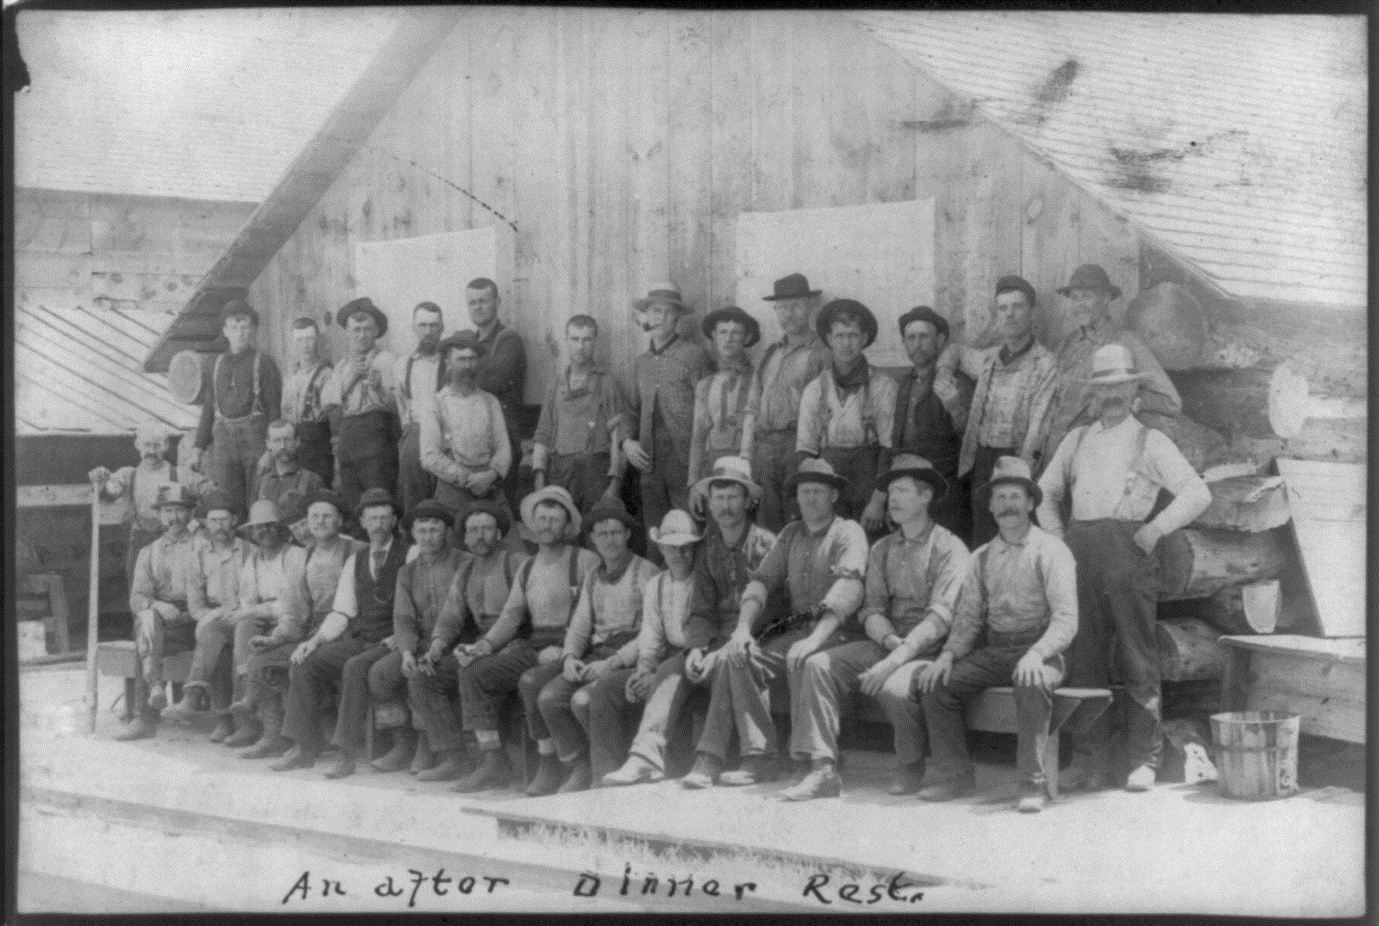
67,496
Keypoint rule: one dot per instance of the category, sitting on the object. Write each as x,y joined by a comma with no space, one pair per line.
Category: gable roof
1238,143
197,104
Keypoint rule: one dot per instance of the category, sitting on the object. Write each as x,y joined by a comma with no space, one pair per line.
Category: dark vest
936,439
375,619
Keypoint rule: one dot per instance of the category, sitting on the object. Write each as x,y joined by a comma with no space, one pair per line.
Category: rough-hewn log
1189,651
1239,609
1197,563
1174,326
1246,503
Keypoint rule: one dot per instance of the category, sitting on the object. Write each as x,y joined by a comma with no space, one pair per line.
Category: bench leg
369,733
1051,765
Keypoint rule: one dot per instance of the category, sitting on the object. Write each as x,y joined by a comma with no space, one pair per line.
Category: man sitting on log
1021,591
1112,470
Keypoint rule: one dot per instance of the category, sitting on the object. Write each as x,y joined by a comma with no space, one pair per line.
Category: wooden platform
1322,680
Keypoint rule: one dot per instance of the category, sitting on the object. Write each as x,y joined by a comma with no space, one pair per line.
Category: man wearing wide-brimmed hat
158,600
360,400
1016,614
723,425
529,632
664,402
464,439
1113,470
912,583
1090,293
847,414
240,393
786,368
816,565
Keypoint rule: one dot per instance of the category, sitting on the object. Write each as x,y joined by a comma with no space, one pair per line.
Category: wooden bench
117,658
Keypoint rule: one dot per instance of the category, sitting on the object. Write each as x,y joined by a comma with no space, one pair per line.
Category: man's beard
467,379
428,345
482,548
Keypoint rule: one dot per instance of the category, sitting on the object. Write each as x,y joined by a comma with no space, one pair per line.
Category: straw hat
725,469
1010,471
676,530
552,494
263,513
1113,364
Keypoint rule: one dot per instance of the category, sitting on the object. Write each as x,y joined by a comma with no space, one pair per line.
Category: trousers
314,451
773,463
138,539
368,455
829,682
413,481
375,674
858,465
665,706
546,697
991,666
485,682
238,444
606,716
983,524
664,485
1117,599
214,659
154,638
583,475
311,684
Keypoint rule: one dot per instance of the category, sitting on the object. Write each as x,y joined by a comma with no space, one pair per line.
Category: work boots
494,771
271,742
550,775
822,781
580,776
449,768
141,727
224,726
344,764
400,756
705,773
423,759
247,732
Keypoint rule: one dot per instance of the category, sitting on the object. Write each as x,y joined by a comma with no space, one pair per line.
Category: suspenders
524,574
825,416
257,403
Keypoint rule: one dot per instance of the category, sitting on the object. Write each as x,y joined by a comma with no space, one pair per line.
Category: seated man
355,634
600,644
529,632
659,678
422,586
471,607
262,582
158,599
212,599
818,562
913,578
281,478
308,596
1021,590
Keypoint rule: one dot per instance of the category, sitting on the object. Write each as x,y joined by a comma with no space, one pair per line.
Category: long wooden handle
93,608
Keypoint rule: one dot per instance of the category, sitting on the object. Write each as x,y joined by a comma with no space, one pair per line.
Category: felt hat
676,530
612,509
373,498
152,430
362,304
237,307
323,495
175,493
666,293
824,322
461,340
725,469
1012,471
263,513
552,494
487,506
815,469
428,508
1091,276
909,464
732,313
922,313
1012,282
214,500
1113,364
791,286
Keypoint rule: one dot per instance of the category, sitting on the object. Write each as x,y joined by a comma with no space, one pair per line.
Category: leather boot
400,756
296,757
223,728
269,746
141,727
423,759
550,775
908,778
449,768
580,776
705,773
344,764
494,771
247,733
188,706
158,696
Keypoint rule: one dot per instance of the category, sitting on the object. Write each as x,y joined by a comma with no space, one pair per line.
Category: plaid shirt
720,576
665,382
1010,407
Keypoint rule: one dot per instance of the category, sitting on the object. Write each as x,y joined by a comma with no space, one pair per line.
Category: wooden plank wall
623,144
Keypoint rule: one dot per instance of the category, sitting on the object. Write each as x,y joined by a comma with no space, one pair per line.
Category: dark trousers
238,444
313,449
858,466
212,661
1117,598
608,719
155,638
546,698
485,682
991,666
368,455
243,652
138,539
665,484
773,463
414,483
583,475
266,685
429,697
311,685
983,524
830,680
356,691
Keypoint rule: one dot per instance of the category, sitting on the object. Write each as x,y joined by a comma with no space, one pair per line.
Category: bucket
1257,753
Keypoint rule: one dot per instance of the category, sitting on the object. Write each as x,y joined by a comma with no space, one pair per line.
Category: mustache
1007,510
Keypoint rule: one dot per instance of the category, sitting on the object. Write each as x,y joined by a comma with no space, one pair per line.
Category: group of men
810,519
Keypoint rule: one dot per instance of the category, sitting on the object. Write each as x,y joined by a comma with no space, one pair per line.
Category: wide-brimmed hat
363,304
909,464
725,469
676,530
428,508
612,509
324,495
214,500
732,313
1014,471
824,322
791,286
1013,282
375,497
1113,364
562,498
923,313
815,469
487,506
1091,276
263,513
666,293
461,340
237,307
175,493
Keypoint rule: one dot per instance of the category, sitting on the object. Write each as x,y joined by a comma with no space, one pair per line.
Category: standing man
1015,388
418,380
817,563
1113,469
1021,592
787,367
666,376
360,402
585,418
471,607
847,413
723,425
158,599
913,578
1090,293
301,402
502,364
931,411
464,440
241,391
281,479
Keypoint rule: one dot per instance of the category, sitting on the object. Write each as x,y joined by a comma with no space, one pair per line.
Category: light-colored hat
725,469
666,293
1113,364
676,530
263,512
909,464
152,430
552,494
1014,471
815,469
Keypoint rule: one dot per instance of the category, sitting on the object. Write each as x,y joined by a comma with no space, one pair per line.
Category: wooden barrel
184,374
1257,753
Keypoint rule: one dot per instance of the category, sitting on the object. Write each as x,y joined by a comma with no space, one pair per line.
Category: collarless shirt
229,389
301,400
263,577
721,573
273,485
784,372
610,603
503,367
863,418
722,402
310,589
665,609
477,593
911,582
423,583
546,611
358,386
463,434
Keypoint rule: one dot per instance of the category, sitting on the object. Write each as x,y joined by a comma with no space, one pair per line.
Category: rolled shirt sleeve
947,568
808,438
509,623
346,604
849,567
